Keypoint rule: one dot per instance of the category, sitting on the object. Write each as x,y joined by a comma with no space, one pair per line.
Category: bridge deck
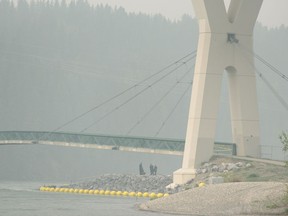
123,143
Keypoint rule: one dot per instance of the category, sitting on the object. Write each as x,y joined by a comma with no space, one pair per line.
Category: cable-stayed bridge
126,142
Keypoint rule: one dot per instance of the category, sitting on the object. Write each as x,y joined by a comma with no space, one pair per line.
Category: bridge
108,142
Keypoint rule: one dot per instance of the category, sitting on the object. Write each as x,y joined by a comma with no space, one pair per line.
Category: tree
284,140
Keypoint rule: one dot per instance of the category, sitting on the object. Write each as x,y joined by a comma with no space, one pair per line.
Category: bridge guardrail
106,141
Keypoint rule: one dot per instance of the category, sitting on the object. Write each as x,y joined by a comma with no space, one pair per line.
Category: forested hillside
63,59
58,60
109,38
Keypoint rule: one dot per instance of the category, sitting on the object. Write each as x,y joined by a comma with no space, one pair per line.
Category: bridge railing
114,142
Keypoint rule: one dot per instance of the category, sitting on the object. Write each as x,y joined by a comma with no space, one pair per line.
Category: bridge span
108,142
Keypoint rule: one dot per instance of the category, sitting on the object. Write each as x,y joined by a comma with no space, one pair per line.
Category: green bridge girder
158,145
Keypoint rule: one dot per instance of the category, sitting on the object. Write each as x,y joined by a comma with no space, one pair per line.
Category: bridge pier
222,38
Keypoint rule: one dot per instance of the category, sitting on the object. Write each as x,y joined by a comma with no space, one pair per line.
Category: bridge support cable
283,76
122,92
159,101
137,94
266,63
174,108
273,90
266,82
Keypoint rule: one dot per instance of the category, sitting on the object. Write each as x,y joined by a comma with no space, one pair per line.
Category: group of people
153,169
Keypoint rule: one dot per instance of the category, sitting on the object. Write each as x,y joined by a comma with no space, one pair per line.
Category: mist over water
68,164
58,61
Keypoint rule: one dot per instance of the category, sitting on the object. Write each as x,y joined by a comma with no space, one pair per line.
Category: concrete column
243,103
221,37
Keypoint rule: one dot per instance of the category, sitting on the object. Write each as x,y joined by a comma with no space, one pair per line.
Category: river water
24,199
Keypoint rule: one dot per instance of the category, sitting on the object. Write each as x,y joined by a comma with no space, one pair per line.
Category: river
24,199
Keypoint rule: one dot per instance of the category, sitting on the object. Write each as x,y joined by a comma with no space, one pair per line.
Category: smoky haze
59,60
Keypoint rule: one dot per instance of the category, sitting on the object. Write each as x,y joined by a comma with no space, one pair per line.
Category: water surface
24,199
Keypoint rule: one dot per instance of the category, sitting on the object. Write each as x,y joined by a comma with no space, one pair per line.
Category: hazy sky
273,12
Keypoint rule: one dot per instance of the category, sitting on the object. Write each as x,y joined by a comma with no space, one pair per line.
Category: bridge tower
222,38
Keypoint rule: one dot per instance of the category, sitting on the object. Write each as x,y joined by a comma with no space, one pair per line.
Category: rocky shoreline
253,188
158,183
124,182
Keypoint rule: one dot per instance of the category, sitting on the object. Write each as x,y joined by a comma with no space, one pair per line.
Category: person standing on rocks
155,170
141,170
151,169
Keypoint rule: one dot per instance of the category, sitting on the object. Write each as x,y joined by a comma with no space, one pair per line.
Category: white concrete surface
221,34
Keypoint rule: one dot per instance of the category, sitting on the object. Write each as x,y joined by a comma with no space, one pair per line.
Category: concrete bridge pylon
221,35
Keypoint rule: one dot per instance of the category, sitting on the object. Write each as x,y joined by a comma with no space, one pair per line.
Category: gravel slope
241,198
123,182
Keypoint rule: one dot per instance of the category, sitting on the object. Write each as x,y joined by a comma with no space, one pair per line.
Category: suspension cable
172,111
122,93
283,76
134,96
159,101
258,57
118,94
268,84
273,90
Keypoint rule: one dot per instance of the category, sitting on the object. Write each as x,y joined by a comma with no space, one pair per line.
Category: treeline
105,36
95,34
